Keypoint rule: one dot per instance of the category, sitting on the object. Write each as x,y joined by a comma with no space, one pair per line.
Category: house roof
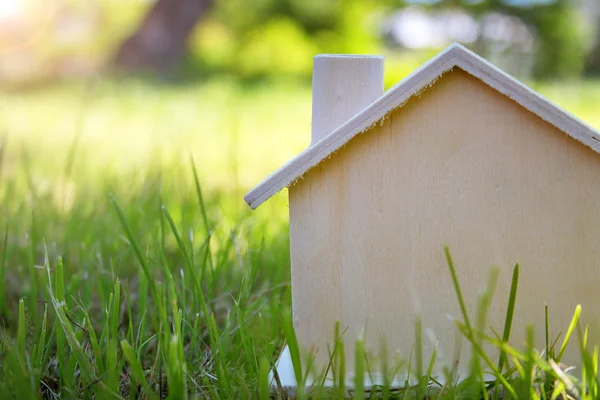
453,56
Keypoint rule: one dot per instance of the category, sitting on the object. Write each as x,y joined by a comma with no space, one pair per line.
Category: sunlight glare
10,8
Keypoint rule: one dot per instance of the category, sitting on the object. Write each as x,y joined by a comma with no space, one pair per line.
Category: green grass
131,268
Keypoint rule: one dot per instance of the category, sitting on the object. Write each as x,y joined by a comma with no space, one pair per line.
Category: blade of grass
528,391
547,332
407,390
111,346
41,347
419,352
431,365
247,342
385,370
15,373
219,356
136,369
21,330
66,374
359,370
510,311
264,390
570,330
198,289
331,363
201,202
594,372
482,310
76,350
142,304
93,340
133,242
337,362
458,290
583,349
487,359
588,366
3,304
293,347
341,362
33,281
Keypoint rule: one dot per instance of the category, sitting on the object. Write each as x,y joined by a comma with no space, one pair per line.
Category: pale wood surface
453,56
343,85
460,165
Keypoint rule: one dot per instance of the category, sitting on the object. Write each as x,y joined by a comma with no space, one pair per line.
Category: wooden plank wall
460,165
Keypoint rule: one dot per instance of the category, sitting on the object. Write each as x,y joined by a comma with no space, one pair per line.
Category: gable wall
460,165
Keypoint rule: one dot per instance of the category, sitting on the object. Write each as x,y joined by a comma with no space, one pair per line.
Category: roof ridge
455,55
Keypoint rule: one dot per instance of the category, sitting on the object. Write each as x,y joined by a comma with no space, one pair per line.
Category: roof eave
453,56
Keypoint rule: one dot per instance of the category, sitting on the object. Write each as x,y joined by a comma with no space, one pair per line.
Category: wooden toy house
458,154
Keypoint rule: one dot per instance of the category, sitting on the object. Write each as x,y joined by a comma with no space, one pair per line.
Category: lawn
129,263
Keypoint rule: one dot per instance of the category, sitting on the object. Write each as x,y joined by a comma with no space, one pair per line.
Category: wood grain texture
343,85
454,56
460,165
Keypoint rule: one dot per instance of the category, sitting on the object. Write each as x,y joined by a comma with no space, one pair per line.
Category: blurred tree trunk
592,63
159,43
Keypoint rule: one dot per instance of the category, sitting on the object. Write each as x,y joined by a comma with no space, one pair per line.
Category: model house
457,154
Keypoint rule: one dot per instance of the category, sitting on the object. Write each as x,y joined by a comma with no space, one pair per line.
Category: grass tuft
170,288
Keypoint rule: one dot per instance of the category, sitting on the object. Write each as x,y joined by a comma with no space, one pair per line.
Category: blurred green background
201,39
117,86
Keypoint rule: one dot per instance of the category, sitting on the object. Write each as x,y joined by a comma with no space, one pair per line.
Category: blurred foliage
274,38
279,37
